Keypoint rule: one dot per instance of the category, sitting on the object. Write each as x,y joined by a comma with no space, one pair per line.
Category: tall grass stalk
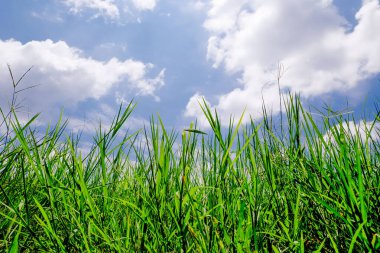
245,189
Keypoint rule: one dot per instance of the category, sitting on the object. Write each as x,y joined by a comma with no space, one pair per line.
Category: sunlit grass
242,189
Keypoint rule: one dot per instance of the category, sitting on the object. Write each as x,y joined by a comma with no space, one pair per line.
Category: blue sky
90,55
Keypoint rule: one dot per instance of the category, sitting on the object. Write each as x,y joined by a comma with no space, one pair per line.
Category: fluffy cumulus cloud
193,108
111,9
319,50
65,76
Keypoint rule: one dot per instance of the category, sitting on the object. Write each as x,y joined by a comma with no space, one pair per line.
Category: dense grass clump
314,186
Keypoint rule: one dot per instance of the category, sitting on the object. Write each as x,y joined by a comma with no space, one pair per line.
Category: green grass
249,188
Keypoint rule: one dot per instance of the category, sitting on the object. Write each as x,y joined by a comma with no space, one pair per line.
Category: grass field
312,185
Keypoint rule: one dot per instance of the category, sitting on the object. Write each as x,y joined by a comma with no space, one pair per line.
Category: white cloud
112,9
144,4
193,109
105,8
313,42
67,77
